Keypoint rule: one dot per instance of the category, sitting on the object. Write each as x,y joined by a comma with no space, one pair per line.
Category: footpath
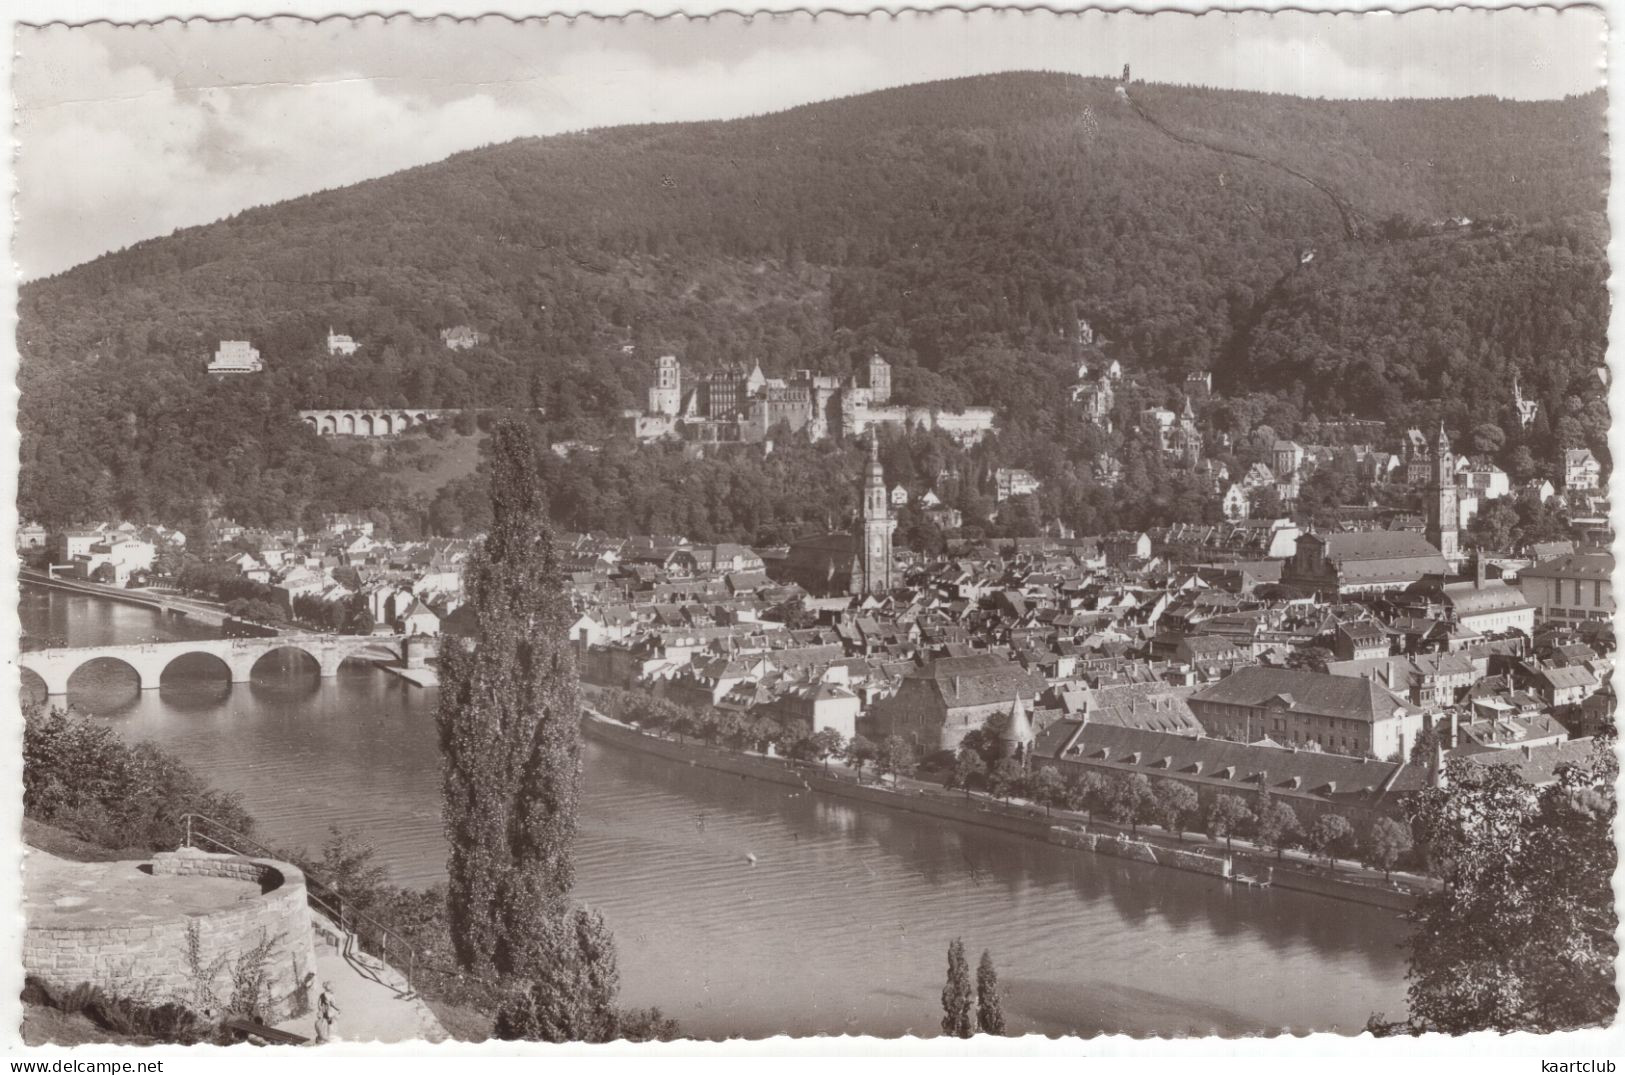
1241,862
374,1000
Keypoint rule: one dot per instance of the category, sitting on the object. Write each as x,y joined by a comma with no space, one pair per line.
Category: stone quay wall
150,962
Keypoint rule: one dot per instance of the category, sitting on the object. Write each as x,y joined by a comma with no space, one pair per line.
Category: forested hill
961,228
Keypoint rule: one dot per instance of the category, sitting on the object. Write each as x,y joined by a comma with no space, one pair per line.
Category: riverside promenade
1241,863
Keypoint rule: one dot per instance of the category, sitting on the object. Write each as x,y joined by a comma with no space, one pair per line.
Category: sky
129,132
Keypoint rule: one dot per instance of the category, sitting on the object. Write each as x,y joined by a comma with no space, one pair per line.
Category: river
842,923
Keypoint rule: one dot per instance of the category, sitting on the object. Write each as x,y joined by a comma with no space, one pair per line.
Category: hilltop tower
877,524
1443,514
666,394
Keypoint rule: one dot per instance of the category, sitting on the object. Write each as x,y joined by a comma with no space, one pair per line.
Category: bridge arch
34,687
329,425
347,424
256,658
143,677
199,657
310,420
365,426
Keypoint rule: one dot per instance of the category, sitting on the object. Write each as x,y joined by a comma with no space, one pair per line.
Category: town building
940,702
1581,471
31,536
1009,482
1292,707
1311,782
1572,588
236,356
1366,561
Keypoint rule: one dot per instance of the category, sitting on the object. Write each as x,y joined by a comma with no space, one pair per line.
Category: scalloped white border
1332,1054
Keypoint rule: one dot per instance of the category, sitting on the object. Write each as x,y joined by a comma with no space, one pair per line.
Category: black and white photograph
948,524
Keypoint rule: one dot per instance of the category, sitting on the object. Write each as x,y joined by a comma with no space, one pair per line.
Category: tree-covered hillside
961,228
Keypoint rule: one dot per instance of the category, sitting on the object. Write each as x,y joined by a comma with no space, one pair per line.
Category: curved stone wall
149,961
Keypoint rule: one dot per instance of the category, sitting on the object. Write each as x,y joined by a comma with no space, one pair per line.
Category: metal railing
360,933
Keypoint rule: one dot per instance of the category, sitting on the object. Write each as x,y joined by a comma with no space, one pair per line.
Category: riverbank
1098,837
153,600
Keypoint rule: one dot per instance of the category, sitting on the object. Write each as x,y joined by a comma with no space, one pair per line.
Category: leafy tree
1330,834
510,738
764,731
825,744
894,758
1005,778
1227,818
1086,792
571,996
1278,827
1130,799
1389,842
792,738
968,765
860,751
1521,935
1048,787
1310,658
989,1002
733,728
958,998
1173,804
80,776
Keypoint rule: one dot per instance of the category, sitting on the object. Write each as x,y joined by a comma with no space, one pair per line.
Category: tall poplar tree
958,1000
510,739
989,1005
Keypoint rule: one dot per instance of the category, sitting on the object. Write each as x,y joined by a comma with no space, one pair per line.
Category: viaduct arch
370,421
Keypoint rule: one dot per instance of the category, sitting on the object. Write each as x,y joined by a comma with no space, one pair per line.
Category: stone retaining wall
149,961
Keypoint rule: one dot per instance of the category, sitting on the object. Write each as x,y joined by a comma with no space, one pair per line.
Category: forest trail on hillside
1351,225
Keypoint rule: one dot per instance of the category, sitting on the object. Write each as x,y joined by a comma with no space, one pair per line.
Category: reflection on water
841,923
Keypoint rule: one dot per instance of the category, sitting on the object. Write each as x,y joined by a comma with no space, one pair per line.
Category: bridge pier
330,661
242,667
56,680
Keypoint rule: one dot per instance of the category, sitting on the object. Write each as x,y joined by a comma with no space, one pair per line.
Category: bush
79,776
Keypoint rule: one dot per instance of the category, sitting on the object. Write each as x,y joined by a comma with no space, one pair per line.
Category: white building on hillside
236,356
340,345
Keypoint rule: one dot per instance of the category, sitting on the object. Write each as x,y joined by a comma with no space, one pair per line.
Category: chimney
1478,570
1525,749
956,686
1453,729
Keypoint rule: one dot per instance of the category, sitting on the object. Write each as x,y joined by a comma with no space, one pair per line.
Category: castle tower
666,394
879,377
877,524
1443,515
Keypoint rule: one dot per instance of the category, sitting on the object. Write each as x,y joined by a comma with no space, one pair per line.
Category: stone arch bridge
238,655
370,421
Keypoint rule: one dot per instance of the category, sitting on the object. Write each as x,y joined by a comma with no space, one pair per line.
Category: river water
842,923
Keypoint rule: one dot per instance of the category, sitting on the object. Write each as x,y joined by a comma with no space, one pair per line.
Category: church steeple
877,523
1443,512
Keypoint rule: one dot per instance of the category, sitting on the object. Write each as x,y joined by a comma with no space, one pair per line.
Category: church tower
877,524
1443,514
